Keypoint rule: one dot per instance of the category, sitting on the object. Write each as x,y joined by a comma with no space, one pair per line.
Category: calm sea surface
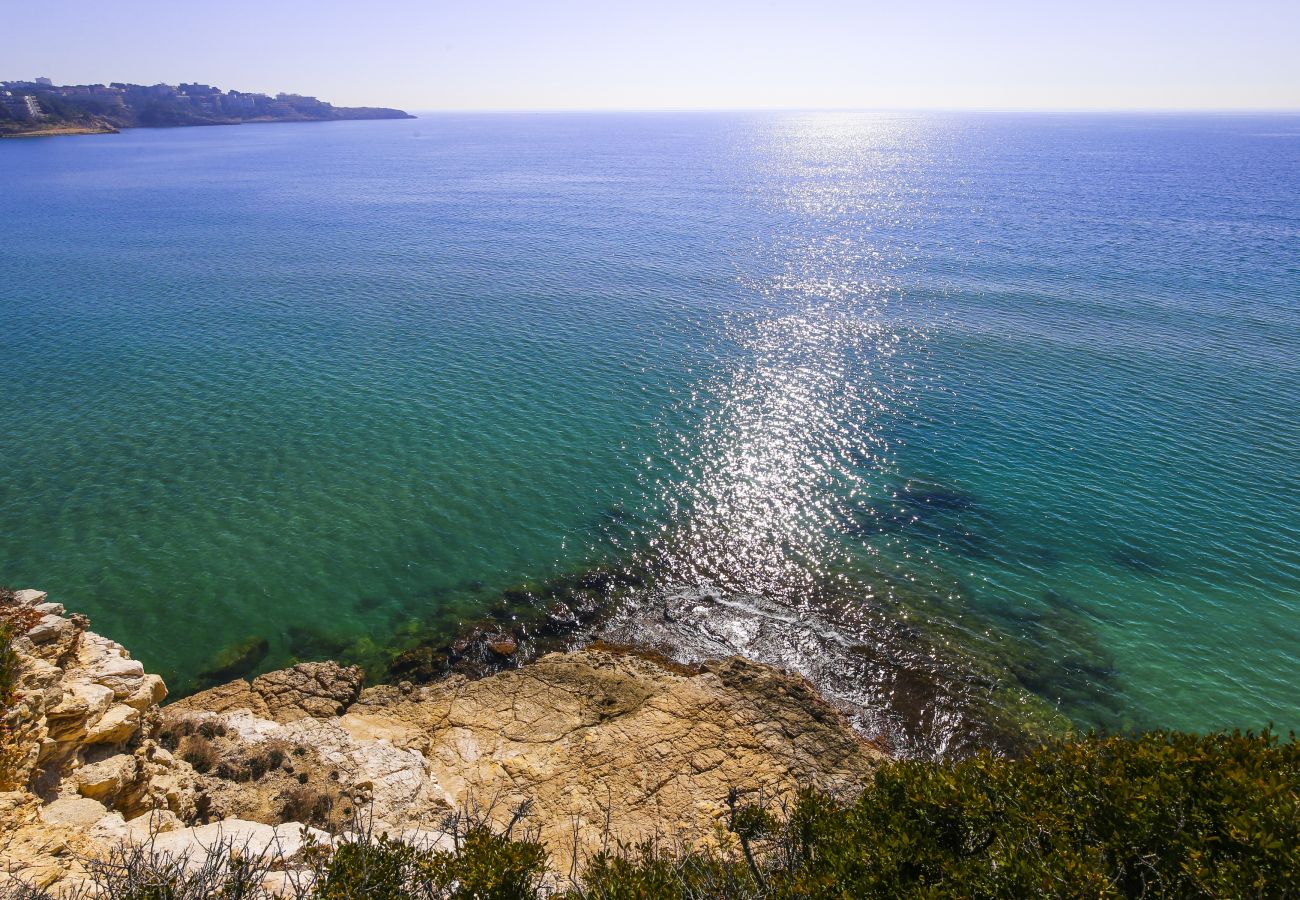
1029,384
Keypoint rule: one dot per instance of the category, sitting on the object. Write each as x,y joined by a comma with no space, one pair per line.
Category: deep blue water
1034,377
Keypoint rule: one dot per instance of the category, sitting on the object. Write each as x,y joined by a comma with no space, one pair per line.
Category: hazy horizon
582,56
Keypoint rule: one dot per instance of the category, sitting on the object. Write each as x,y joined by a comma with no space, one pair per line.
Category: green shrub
1162,815
486,865
8,681
12,617
8,667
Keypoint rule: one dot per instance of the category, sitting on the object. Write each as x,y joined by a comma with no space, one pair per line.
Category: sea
967,417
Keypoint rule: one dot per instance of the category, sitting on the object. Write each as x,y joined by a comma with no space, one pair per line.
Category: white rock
50,609
159,821
152,690
50,628
79,812
249,838
111,829
97,697
115,727
106,779
30,597
123,675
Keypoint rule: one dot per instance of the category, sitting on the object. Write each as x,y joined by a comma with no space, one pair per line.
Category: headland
39,108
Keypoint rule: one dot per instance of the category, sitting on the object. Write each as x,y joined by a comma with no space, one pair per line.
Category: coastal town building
28,107
21,106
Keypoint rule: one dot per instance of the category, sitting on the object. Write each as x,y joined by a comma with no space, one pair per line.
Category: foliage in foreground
8,656
14,620
1160,815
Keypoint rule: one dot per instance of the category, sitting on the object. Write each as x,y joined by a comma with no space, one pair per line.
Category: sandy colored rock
39,852
307,690
151,692
50,628
114,727
579,737
228,698
76,811
106,779
571,734
82,703
577,734
107,666
315,690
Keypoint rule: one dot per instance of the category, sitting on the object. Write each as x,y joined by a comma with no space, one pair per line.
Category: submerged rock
236,660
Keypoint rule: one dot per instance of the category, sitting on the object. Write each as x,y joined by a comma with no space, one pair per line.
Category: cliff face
597,740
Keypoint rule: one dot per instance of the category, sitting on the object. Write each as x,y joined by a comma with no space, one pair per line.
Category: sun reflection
802,420
774,537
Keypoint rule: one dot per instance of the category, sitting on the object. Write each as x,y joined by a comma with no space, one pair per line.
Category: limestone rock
250,839
577,736
76,811
106,779
571,734
120,673
151,692
50,628
316,690
308,690
116,726
82,703
228,698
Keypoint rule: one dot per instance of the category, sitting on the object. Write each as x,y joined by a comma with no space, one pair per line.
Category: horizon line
1104,110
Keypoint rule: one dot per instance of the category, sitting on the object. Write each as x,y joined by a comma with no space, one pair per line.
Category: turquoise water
343,379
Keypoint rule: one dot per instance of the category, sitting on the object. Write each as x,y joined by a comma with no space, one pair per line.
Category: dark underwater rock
235,661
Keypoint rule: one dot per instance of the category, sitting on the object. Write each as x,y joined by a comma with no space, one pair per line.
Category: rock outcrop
76,761
596,740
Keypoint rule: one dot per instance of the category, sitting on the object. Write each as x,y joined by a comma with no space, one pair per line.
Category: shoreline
622,735
62,131
620,768
69,130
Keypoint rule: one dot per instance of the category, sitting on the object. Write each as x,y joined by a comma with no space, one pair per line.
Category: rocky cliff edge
605,741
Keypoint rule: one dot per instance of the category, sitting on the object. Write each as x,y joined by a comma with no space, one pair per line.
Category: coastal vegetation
15,619
1162,814
38,107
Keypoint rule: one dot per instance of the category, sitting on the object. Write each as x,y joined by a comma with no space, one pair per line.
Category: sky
669,54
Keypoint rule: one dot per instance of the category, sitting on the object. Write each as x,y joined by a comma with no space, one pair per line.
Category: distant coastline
41,108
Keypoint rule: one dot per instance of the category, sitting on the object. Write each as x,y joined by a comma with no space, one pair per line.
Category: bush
8,667
486,865
199,753
14,620
309,805
1160,815
8,683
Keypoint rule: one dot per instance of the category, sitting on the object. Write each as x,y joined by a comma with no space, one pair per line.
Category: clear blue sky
611,54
